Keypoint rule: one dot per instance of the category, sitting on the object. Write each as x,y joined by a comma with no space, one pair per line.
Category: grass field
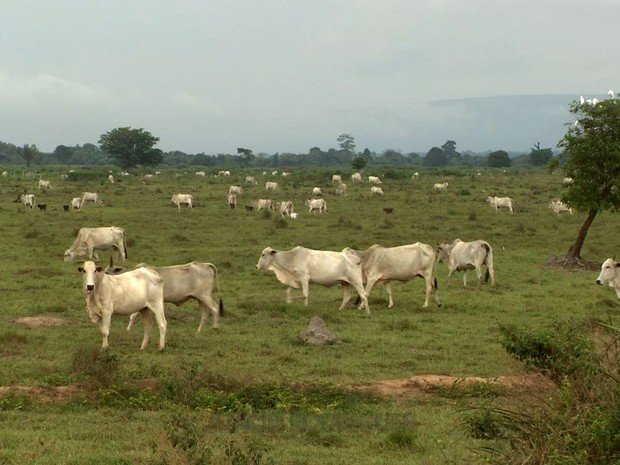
251,388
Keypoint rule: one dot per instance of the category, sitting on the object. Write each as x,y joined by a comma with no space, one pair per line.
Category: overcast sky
284,76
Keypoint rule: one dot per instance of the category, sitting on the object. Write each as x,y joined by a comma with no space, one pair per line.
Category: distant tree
435,158
29,153
540,157
346,142
498,159
63,154
246,156
592,150
358,163
392,157
130,147
449,148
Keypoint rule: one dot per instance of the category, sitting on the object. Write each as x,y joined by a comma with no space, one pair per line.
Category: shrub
101,366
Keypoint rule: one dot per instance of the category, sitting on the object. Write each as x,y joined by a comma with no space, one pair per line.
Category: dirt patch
41,320
425,385
572,262
45,394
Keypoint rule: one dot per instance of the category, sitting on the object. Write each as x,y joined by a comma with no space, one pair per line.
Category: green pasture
111,421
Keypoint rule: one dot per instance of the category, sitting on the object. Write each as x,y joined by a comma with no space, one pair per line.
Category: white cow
300,266
5,174
274,173
610,275
374,179
294,215
231,201
285,174
374,190
64,176
567,181
44,184
147,177
463,256
185,282
559,207
140,290
92,196
235,190
317,204
316,191
271,186
415,175
76,203
342,189
111,179
336,178
250,180
264,204
498,202
89,240
182,199
202,174
440,186
286,208
382,265
124,173
28,200
356,177
223,173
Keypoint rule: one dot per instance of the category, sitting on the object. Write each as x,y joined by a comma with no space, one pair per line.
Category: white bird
594,101
612,94
582,100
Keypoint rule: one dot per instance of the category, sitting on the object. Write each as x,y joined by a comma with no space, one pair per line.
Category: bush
100,365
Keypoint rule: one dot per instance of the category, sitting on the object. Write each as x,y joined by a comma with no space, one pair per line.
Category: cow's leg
305,285
132,320
464,277
104,325
160,318
145,313
479,274
388,288
346,294
205,304
370,283
359,287
289,296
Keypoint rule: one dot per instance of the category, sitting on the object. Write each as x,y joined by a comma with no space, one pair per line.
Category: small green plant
483,423
14,401
404,439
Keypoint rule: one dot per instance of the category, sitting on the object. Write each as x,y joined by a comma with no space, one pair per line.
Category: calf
249,208
42,207
388,210
66,208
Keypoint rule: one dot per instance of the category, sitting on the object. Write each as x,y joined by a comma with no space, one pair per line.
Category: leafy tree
246,156
435,157
63,154
29,152
392,157
358,163
131,147
449,148
498,159
346,142
540,157
592,149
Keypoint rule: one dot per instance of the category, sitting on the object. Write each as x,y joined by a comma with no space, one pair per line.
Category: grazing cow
284,174
336,178
193,280
567,181
202,174
44,184
374,179
317,204
111,179
66,207
76,203
463,256
440,186
249,208
235,190
610,274
286,208
140,290
231,201
157,173
147,177
250,180
559,207
274,173
42,207
223,173
89,240
294,215
388,210
316,191
271,186
342,189
5,174
385,264
415,175
92,196
28,200
182,199
264,204
374,190
300,266
124,173
356,177
64,176
498,202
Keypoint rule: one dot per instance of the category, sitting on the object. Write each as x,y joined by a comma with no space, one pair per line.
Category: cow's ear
80,269
618,265
99,269
272,252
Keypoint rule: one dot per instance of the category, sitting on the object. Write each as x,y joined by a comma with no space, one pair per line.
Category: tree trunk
575,250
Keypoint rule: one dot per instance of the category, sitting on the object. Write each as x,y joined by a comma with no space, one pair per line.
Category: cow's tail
488,261
219,292
125,244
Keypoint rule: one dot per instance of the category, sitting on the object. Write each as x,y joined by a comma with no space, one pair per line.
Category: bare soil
572,262
41,320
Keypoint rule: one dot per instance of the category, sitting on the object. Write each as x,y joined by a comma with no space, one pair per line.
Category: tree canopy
29,152
346,142
131,147
498,159
540,157
592,150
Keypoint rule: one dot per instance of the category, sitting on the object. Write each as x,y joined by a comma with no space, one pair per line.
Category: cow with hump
140,290
381,265
610,275
194,280
89,240
298,267
463,256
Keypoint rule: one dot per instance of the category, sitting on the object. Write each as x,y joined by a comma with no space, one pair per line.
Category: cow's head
266,257
91,271
609,270
443,252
